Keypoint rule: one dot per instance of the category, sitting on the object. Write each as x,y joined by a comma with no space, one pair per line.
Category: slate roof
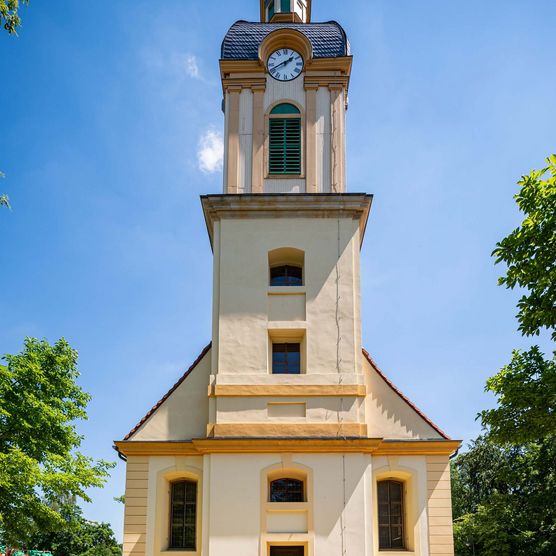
243,39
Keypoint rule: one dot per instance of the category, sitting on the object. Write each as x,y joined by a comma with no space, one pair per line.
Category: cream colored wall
439,500
339,516
335,516
317,410
245,140
186,413
243,293
388,415
135,515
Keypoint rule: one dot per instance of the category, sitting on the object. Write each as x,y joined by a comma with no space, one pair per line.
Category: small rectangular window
286,359
183,518
287,551
285,146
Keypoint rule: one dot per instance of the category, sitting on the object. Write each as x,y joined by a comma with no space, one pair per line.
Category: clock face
285,64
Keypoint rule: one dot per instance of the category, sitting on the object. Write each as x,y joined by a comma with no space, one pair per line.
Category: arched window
284,141
286,275
390,515
286,267
287,490
183,515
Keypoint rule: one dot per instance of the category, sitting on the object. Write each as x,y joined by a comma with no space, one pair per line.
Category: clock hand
283,63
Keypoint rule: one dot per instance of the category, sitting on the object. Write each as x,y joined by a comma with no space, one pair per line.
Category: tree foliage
39,459
4,200
78,537
9,14
504,487
530,251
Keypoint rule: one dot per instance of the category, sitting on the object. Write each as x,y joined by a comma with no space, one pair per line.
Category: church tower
284,438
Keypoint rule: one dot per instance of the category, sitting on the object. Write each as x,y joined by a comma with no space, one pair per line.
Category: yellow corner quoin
374,446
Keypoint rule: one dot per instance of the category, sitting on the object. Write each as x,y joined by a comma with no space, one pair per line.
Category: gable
390,414
182,414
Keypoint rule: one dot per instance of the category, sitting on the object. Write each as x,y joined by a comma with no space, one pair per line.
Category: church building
284,438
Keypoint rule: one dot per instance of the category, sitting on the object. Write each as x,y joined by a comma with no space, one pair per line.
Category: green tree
78,537
529,252
504,487
40,464
9,14
4,200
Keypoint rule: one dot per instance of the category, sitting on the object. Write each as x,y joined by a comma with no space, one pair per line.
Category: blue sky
110,132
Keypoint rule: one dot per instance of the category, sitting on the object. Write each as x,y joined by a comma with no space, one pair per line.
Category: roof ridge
403,396
169,393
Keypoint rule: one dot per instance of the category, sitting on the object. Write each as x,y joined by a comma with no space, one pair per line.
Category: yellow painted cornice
374,446
284,390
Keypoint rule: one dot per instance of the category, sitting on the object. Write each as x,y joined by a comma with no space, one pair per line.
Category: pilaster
312,184
257,185
232,179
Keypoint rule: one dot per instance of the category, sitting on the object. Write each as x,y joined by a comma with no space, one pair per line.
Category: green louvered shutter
285,146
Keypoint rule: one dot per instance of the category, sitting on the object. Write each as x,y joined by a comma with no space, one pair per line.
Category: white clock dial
285,64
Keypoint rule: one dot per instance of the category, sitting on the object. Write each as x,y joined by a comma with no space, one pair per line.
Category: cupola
279,11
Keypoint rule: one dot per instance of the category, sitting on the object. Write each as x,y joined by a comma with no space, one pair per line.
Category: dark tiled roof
242,41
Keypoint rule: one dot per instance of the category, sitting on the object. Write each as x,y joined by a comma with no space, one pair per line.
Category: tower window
286,276
183,518
287,490
286,359
285,140
284,7
390,515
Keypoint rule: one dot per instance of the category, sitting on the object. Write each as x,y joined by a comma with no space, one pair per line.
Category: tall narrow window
284,157
286,359
287,551
287,490
183,517
390,515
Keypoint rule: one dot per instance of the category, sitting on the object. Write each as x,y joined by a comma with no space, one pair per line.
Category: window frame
303,547
172,485
389,525
297,479
286,276
288,344
301,117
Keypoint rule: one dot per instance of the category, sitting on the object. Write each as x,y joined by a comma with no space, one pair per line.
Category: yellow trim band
283,390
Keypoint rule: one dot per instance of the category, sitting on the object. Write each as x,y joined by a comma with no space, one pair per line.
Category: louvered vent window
285,140
183,517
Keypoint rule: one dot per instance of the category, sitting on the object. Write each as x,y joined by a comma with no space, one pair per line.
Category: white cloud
210,154
192,67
